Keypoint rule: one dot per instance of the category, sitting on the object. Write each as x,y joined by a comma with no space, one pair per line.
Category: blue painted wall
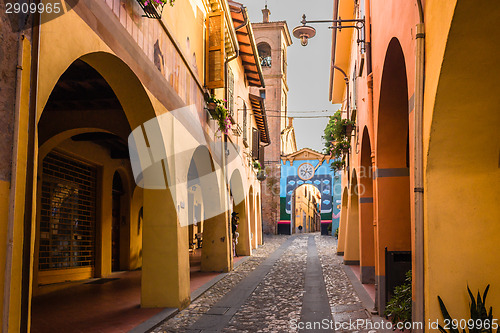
325,179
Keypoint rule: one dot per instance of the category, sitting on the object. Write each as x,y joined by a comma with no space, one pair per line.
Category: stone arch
461,159
351,252
392,182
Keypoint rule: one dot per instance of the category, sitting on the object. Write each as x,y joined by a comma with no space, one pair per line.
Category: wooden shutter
255,143
214,76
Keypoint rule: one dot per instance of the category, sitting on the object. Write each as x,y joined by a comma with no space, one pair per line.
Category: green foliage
398,309
337,165
336,234
256,165
481,320
337,135
220,113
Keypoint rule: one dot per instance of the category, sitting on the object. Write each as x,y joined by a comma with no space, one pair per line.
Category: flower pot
261,175
211,106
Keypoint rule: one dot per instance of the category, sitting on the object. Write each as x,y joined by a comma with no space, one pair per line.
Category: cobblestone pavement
201,305
344,301
277,300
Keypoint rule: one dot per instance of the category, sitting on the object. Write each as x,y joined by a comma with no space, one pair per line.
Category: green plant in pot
216,108
337,130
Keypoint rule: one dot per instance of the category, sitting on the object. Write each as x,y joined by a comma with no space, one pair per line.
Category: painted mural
317,172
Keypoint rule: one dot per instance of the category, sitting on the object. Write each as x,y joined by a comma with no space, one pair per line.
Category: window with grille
68,214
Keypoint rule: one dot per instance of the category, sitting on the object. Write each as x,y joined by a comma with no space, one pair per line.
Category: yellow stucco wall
462,141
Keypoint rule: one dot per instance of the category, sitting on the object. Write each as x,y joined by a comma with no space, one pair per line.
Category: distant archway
306,208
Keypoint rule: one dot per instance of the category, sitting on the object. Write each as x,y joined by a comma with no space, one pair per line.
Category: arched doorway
367,232
351,251
393,229
306,208
85,211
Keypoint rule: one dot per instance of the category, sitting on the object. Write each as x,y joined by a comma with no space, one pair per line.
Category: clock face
306,171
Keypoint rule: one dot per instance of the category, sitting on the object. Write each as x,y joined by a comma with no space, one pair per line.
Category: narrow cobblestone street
290,281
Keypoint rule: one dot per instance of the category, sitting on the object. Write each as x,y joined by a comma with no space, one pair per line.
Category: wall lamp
304,32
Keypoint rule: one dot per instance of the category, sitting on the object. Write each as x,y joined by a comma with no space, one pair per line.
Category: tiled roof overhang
259,112
248,49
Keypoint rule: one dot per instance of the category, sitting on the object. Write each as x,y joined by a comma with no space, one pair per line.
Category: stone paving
344,301
195,310
277,300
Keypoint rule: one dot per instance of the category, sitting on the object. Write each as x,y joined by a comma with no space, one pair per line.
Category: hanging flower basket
341,148
348,129
153,8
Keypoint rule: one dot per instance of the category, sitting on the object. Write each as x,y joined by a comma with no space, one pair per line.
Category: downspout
419,294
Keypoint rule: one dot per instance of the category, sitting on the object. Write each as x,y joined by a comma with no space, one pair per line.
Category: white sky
308,67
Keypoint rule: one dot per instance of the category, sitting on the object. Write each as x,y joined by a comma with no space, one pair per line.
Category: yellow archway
462,143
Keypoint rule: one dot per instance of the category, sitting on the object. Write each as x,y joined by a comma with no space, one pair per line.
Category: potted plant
337,133
218,111
261,175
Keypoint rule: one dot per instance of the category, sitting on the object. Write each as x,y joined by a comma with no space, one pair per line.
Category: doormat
102,281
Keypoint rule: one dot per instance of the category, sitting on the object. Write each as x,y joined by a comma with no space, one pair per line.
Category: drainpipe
418,308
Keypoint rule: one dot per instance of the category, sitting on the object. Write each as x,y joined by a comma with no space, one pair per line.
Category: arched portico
240,206
367,232
461,158
392,174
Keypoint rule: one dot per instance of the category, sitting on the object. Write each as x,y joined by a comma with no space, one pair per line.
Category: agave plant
482,319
